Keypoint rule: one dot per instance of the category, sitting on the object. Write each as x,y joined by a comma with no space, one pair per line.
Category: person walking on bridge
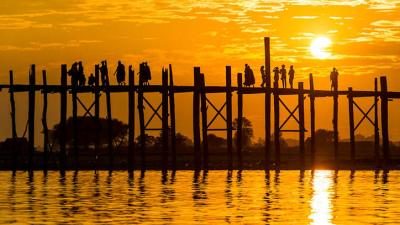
283,76
291,76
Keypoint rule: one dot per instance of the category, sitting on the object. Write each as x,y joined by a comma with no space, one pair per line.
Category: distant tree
89,130
323,138
215,142
247,131
150,140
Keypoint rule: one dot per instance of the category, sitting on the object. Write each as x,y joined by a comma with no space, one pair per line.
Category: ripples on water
218,197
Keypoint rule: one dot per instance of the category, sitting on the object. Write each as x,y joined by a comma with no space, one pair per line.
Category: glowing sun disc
318,47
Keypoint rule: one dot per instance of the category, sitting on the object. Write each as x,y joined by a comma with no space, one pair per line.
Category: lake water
218,197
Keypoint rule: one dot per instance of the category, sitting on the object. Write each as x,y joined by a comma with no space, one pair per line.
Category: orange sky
365,39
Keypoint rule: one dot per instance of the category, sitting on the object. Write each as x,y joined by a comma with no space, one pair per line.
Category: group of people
280,73
249,79
78,78
76,73
144,73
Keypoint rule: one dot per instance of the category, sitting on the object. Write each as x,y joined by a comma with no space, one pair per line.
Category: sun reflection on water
321,205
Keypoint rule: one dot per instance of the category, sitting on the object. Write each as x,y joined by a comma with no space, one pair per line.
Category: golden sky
365,42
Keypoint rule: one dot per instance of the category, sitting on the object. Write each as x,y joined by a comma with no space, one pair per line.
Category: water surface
218,197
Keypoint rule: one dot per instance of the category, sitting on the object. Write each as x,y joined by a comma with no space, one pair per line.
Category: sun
318,47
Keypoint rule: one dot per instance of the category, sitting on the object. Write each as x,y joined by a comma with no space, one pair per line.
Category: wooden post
13,122
142,127
376,125
109,127
196,119
165,135
335,124
204,121
351,126
312,115
172,117
276,127
267,105
239,136
75,125
31,116
301,124
97,112
63,117
44,123
385,121
131,120
229,116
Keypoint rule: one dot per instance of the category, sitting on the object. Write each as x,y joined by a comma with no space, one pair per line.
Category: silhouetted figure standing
276,75
81,74
249,78
144,73
334,79
246,82
104,73
73,73
120,73
263,76
91,80
291,76
283,76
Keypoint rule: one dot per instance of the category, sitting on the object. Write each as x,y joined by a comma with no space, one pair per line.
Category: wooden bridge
201,124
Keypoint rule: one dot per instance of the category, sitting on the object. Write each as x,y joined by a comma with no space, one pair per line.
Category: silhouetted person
73,73
81,75
291,76
252,80
144,73
263,76
334,79
104,73
246,82
147,72
91,80
276,75
120,73
249,79
283,76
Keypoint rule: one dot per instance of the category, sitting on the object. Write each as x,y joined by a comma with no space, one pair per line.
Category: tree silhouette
89,130
247,131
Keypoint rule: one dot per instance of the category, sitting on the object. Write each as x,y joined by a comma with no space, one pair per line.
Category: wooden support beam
97,113
385,121
301,124
267,106
63,118
172,117
203,103
109,127
196,119
312,120
229,128
239,131
351,126
44,124
276,128
142,127
75,126
335,125
165,132
131,120
376,124
31,116
13,121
